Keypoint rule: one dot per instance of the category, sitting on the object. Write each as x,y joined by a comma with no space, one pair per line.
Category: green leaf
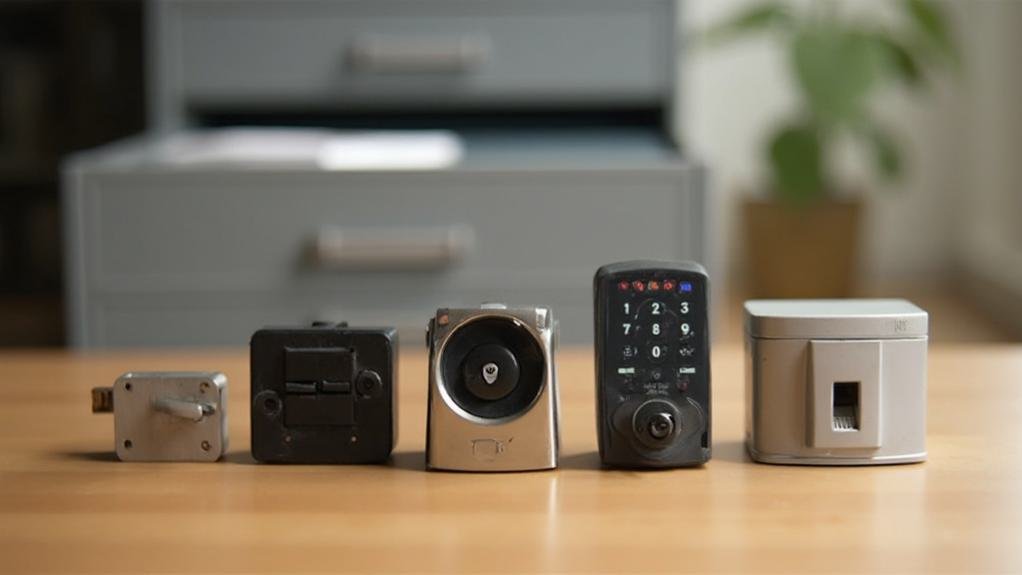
756,18
932,23
902,61
886,157
797,160
836,69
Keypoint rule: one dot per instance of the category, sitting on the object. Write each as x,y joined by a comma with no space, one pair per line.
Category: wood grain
67,506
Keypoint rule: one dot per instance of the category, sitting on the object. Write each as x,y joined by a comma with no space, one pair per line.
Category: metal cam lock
167,416
492,389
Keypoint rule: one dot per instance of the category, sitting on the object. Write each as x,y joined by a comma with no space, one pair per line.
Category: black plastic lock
323,394
652,364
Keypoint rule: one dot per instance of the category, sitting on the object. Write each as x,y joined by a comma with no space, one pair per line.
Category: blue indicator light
685,287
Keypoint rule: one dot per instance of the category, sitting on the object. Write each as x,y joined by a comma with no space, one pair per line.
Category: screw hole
206,446
271,404
127,386
128,444
204,387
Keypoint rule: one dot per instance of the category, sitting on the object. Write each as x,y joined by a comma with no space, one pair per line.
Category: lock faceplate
836,365
170,416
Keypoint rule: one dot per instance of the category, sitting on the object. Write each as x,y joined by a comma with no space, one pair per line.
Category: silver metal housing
170,416
461,441
800,352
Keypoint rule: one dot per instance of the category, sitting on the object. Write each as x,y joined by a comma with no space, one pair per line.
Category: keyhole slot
845,412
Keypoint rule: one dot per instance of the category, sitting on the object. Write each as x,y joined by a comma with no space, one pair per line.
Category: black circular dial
493,367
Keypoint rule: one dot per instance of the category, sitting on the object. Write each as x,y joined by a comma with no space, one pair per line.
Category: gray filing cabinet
215,55
165,253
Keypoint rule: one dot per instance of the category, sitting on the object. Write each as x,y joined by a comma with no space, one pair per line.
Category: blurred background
183,172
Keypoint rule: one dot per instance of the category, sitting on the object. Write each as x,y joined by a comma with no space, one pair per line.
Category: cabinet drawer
328,53
249,231
166,254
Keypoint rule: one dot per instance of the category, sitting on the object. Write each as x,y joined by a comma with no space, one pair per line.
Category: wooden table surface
67,505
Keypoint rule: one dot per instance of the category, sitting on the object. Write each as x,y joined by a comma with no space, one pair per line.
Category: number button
657,352
684,308
664,326
658,321
651,310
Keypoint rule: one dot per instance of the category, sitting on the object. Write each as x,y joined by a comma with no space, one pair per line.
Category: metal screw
204,387
206,445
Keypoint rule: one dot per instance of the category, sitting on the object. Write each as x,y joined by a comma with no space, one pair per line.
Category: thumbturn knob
490,372
661,426
656,423
368,382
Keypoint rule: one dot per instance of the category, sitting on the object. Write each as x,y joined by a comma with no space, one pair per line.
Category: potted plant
802,240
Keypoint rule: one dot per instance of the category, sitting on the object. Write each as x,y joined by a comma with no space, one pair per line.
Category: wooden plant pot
801,252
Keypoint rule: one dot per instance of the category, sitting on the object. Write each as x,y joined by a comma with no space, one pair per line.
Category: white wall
988,213
992,110
730,95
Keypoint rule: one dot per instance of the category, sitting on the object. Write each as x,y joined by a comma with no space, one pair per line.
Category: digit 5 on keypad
652,364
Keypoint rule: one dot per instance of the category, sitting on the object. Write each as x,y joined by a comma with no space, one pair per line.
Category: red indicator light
638,286
669,285
654,285
623,285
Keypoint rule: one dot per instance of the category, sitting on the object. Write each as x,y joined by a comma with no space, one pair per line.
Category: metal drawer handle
387,54
391,248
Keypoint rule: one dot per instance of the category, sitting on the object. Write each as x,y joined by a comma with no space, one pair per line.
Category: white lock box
835,382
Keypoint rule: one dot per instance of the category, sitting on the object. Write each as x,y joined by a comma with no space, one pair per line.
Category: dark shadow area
727,451
408,460
733,451
89,455
584,460
432,118
71,78
239,458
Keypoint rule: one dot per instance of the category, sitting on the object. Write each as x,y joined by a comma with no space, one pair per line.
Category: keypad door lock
167,416
652,364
